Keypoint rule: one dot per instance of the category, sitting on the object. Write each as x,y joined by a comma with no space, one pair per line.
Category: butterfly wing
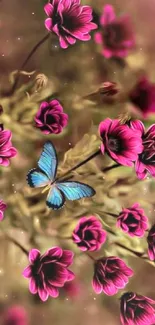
55,198
48,161
35,178
75,190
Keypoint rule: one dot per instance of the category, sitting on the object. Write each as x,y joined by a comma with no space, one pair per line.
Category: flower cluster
128,144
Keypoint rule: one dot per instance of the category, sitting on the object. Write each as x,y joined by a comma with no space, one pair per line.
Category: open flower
116,35
145,162
151,243
69,21
137,309
15,315
3,207
7,151
50,117
133,221
88,234
48,272
143,97
120,142
111,274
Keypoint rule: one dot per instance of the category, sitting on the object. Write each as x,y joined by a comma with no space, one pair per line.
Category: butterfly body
45,176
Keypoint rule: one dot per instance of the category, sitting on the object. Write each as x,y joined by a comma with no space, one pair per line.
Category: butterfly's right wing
35,178
48,161
55,198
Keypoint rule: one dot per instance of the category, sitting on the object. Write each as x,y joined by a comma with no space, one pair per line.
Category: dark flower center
113,35
140,99
148,154
131,219
56,18
113,144
88,235
50,119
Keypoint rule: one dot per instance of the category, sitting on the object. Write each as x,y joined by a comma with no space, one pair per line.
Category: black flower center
88,235
141,99
148,154
113,144
113,35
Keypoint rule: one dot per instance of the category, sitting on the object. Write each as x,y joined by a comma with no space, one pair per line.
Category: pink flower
15,315
145,162
137,309
120,142
111,274
116,35
133,221
69,21
50,117
7,151
88,234
151,243
48,272
143,97
3,207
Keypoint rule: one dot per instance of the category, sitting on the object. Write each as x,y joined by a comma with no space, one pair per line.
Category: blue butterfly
45,176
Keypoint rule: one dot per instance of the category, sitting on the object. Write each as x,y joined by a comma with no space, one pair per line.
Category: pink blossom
145,162
88,234
137,309
48,272
151,243
7,151
143,97
50,118
111,274
133,221
120,142
69,21
3,207
15,315
116,35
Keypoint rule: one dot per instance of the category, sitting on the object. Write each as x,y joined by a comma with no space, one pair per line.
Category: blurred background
71,75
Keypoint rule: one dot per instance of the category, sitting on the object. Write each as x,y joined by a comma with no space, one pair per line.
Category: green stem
26,61
80,164
129,250
91,257
111,214
12,240
110,167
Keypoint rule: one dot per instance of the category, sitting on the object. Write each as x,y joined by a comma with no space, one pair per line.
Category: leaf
85,147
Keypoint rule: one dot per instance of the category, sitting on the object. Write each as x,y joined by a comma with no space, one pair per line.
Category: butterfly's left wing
75,190
36,178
